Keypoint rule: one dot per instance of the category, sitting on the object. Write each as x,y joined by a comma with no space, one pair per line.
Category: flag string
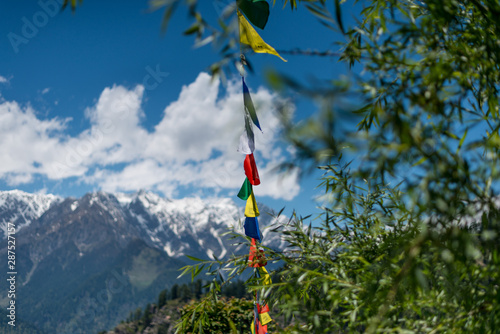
257,12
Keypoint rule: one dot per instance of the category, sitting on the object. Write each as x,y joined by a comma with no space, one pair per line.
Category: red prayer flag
251,170
262,309
256,258
262,328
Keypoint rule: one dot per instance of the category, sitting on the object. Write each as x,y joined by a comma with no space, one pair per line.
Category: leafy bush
219,317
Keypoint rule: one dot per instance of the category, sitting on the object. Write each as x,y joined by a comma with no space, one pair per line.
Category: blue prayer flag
252,228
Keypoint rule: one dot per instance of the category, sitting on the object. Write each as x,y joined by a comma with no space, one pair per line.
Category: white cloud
26,142
278,185
194,144
3,79
196,124
45,91
17,179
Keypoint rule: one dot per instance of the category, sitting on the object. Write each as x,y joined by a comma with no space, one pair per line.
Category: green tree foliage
235,288
407,240
221,317
174,292
147,316
138,314
185,293
197,289
162,298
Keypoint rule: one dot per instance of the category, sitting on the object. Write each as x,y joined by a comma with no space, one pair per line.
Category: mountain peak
148,198
21,208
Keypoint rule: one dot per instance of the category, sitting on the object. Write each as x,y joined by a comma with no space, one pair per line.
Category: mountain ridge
161,222
72,253
21,208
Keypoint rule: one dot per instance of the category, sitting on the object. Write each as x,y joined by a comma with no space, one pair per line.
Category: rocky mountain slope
84,264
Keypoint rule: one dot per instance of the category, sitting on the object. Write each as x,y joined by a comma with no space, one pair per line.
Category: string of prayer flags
257,11
249,107
249,36
251,209
256,258
251,170
245,190
252,228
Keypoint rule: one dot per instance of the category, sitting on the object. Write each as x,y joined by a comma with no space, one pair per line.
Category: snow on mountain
22,208
192,225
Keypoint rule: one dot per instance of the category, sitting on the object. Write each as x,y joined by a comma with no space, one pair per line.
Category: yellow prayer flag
265,275
249,36
265,318
251,209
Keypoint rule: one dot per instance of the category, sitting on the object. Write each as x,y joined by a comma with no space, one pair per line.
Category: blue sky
102,100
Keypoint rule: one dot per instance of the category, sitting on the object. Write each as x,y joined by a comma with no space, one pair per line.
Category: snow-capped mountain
22,208
84,263
192,226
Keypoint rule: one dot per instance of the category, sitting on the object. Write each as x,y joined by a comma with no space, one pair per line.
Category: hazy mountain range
83,264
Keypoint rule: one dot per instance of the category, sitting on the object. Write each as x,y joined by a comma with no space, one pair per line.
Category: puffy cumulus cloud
116,133
28,144
193,146
140,175
278,185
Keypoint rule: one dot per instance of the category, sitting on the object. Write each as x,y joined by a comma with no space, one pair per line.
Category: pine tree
162,299
138,314
174,292
197,288
147,316
185,292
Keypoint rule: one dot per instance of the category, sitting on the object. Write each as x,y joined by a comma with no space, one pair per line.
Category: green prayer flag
246,190
256,11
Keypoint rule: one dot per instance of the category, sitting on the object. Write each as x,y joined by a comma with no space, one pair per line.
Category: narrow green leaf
338,14
193,29
167,15
462,140
420,161
194,258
